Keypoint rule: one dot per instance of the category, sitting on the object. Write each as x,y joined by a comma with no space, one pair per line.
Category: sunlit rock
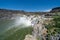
29,37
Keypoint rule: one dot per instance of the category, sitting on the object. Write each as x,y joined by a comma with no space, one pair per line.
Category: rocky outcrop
39,29
56,9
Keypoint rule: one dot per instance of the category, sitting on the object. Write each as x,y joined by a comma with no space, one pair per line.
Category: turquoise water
8,30
5,24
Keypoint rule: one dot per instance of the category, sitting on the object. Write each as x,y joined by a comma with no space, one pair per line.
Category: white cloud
47,10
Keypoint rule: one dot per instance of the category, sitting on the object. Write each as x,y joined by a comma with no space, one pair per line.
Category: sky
29,5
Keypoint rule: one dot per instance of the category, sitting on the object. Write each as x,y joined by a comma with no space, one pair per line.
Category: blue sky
29,5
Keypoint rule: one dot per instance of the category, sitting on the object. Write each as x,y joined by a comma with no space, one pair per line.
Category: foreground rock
29,37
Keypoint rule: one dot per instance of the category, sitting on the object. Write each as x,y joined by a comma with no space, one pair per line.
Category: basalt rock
56,9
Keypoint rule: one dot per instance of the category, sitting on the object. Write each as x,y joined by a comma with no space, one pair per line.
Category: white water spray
22,20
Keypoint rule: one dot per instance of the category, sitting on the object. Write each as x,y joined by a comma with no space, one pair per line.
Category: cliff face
56,9
8,14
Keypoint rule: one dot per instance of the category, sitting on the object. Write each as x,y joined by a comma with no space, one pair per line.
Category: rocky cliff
8,14
56,9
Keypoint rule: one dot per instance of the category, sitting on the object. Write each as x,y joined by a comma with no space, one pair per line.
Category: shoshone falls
36,22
